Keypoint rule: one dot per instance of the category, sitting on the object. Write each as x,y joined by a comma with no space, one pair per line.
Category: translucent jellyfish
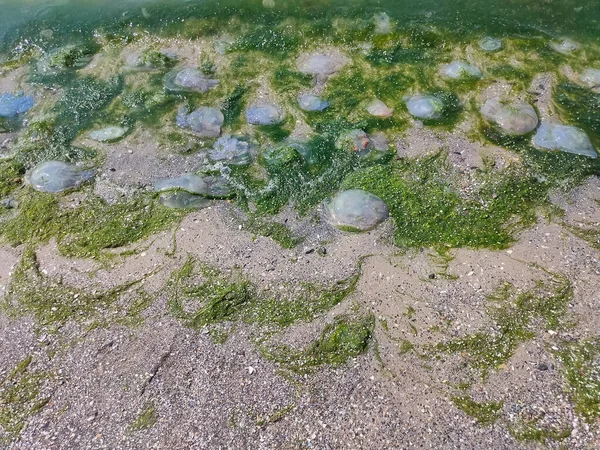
357,210
236,151
565,138
365,146
58,176
189,79
108,134
379,109
320,64
183,200
515,118
590,77
355,141
309,102
425,106
565,46
224,44
217,186
13,105
204,121
264,114
210,186
383,24
379,141
490,44
461,69
189,182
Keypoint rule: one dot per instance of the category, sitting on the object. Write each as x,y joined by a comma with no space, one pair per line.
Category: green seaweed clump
531,432
20,397
581,370
221,298
52,302
202,295
275,230
88,229
581,106
515,315
145,420
428,210
486,413
344,339
11,174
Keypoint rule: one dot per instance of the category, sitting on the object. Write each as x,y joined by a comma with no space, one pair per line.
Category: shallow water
443,129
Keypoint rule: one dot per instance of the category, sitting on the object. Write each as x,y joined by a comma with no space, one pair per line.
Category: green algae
89,229
233,105
303,182
589,232
531,432
486,413
201,295
279,232
221,299
339,341
146,419
20,396
580,106
44,140
277,43
428,211
11,176
287,80
554,169
581,372
52,302
386,66
516,318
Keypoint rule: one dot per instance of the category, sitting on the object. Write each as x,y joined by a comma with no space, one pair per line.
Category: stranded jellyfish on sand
357,210
58,176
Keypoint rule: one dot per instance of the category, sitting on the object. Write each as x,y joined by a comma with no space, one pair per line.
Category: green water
265,40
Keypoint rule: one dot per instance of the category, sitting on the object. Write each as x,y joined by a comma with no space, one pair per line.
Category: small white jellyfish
108,134
516,118
204,121
355,141
265,114
425,106
320,64
189,182
379,109
565,46
383,23
183,200
189,79
460,69
490,44
590,77
565,138
223,44
356,210
210,186
309,102
236,151
58,176
363,145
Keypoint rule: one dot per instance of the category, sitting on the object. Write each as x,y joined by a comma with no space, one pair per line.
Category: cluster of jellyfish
352,209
